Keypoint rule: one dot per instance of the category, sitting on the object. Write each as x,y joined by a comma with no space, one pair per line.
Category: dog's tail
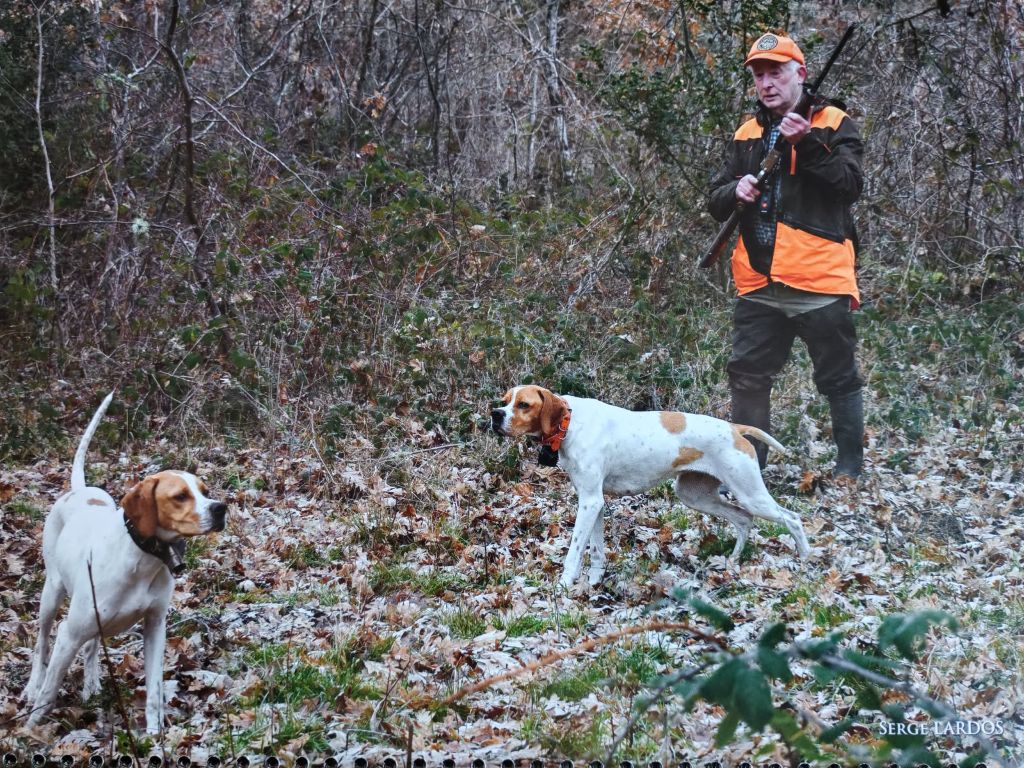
763,436
78,468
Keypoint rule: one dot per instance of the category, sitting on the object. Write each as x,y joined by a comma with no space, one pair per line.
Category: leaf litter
345,600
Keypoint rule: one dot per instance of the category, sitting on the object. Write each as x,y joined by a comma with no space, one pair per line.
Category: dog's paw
570,575
29,695
90,688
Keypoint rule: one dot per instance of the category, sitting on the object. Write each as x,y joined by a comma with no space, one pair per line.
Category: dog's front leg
90,669
597,557
154,638
587,515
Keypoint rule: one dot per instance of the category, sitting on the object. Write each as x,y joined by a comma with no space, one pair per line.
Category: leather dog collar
555,440
171,554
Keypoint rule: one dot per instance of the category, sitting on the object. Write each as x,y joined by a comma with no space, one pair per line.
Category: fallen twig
556,656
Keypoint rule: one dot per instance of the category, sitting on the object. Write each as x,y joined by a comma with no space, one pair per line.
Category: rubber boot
848,433
753,408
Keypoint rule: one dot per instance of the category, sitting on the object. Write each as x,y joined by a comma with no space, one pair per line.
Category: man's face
778,84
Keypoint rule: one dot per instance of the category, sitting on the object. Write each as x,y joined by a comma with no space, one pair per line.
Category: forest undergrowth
308,248
384,549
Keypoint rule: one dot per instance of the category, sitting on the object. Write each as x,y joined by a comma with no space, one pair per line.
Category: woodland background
309,243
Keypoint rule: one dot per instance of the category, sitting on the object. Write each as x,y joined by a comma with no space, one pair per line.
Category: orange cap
774,48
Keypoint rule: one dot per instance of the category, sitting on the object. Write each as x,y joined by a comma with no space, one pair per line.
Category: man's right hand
746,189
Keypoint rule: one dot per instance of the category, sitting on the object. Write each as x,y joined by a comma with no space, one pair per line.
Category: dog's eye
183,496
523,405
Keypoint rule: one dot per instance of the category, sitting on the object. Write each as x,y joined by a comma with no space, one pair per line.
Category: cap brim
769,56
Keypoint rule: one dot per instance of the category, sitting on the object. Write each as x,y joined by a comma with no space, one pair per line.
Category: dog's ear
140,507
552,410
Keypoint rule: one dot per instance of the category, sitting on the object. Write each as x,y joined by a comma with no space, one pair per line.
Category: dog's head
172,504
529,410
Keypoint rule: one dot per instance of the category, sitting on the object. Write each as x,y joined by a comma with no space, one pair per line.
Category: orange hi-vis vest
814,237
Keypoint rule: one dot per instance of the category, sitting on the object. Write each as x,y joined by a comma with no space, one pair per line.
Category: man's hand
746,189
794,127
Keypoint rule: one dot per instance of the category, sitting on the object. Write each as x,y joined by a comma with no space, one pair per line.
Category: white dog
117,566
606,449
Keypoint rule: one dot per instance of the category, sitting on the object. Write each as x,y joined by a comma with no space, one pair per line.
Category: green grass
715,544
575,620
276,731
772,530
26,511
290,676
797,595
627,670
830,615
196,549
305,555
519,626
576,684
581,741
1008,618
464,623
386,579
677,516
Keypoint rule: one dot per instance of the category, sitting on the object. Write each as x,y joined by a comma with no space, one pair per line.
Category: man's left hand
794,127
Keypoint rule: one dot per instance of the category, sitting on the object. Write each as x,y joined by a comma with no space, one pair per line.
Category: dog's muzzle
218,513
498,421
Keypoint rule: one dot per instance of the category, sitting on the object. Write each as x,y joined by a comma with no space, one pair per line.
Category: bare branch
50,212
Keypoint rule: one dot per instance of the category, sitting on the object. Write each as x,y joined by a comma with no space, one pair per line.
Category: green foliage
27,512
64,27
689,94
906,634
743,691
715,545
627,671
576,740
710,613
750,685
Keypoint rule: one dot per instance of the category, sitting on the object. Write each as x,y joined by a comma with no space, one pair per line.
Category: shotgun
771,160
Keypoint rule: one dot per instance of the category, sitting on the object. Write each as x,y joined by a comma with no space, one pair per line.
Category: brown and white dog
606,449
125,557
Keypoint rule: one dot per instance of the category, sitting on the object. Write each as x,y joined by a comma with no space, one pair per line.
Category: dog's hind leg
700,491
751,494
49,602
70,636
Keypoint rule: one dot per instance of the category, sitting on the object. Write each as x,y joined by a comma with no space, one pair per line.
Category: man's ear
552,411
139,506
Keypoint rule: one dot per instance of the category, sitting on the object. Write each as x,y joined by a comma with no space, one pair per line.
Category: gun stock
714,251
